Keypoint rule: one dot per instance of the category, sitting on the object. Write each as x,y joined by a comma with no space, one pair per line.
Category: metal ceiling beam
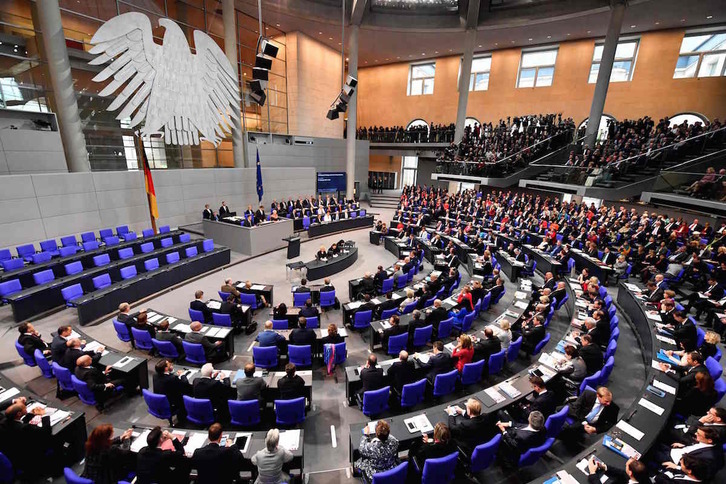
472,14
360,7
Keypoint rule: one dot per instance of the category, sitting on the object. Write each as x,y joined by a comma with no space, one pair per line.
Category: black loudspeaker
348,90
332,114
263,62
344,97
351,81
267,48
260,74
259,97
341,107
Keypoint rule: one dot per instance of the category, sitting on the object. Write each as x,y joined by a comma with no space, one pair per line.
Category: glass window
701,55
622,71
537,68
479,80
421,79
410,168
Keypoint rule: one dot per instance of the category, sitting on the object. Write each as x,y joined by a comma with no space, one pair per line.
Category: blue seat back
128,272
388,313
111,241
375,402
244,413
341,353
208,245
362,319
196,315
43,364
84,393
486,302
413,393
445,383
49,245
246,299
485,454
12,264
27,359
265,356
387,285
164,229
151,264
397,343
714,368
105,233
126,253
74,268
199,410
69,241
222,319
556,421
90,245
99,282
194,352
496,362
63,375
611,349
88,237
408,308
541,344
10,287
5,254
43,277
142,338
513,350
166,242
101,260
280,324
172,257
190,252
445,328
122,229
147,233
165,348
327,298
71,292
128,236
467,322
157,405
501,294
73,478
300,355
25,251
590,381
313,322
146,247
299,298
534,454
290,412
122,332
401,281
184,238
700,336
720,386
606,370
397,475
421,336
439,471
224,295
472,372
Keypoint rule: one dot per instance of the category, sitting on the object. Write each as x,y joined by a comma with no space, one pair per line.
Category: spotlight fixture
263,62
340,104
266,51
332,114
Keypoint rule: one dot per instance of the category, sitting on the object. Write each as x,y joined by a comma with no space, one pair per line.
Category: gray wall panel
56,205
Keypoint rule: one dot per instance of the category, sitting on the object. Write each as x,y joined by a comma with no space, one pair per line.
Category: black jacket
154,465
372,378
545,403
394,330
214,390
470,432
173,387
592,355
94,378
581,407
72,354
31,343
58,348
217,465
437,364
201,306
516,441
299,336
486,347
686,335
402,373
291,387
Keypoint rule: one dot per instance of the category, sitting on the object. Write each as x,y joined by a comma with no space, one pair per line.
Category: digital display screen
331,181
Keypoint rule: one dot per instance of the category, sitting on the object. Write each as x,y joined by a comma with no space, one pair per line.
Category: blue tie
593,413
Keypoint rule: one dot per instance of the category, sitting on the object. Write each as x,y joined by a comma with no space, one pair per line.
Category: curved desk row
320,229
317,269
637,417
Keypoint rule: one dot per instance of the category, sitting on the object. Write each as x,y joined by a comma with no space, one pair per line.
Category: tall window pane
625,53
701,55
537,68
421,79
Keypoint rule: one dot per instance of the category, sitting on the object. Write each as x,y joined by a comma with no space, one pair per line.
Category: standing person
269,461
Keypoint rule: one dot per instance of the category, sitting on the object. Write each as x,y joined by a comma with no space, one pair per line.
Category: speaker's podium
293,246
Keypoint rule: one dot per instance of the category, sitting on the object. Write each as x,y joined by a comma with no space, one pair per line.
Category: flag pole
140,157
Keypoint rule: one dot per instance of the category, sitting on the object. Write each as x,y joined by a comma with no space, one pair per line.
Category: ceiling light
512,41
568,35
496,43
423,53
632,26
330,38
436,52
451,50
320,33
589,31
549,36
530,39
346,58
398,57
683,20
657,23
709,17
277,25
388,59
479,45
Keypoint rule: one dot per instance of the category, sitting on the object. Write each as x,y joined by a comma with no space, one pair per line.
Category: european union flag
260,190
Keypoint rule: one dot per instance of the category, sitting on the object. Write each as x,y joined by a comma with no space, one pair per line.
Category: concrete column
352,112
230,48
59,69
617,12
469,42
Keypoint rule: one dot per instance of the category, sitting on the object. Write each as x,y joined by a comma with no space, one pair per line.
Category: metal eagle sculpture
183,96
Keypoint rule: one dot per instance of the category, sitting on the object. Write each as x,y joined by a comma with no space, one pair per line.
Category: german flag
149,186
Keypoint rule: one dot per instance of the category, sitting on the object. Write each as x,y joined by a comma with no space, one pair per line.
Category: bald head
84,361
195,326
268,324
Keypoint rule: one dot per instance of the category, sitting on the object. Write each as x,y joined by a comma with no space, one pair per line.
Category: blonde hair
465,341
505,325
712,337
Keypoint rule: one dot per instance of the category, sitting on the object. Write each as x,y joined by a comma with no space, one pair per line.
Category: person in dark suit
22,442
30,340
389,303
309,311
59,345
594,412
532,333
173,385
496,290
98,381
250,387
125,316
260,215
249,220
435,316
486,346
424,449
214,351
207,213
394,330
591,354
597,327
163,334
199,305
402,372
635,472
224,210
291,385
689,469
332,337
439,362
322,253
686,374
367,285
142,324
714,292
74,352
684,331
163,466
706,448
517,439
301,335
217,464
469,427
415,323
303,286
217,391
379,277
234,310
543,401
371,377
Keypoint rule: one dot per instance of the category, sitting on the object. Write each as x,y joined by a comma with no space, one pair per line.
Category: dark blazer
435,317
128,319
387,304
223,211
545,403
58,348
437,364
207,214
601,332
174,338
394,330
421,452
687,376
532,336
486,347
214,390
402,373
334,339
516,441
592,355
198,305
173,387
154,465
199,338
371,378
72,354
495,292
686,335
470,432
217,465
94,378
581,407
309,312
299,336
31,343
291,387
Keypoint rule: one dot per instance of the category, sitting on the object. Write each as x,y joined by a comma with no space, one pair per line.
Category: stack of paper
651,406
419,423
290,440
423,358
509,390
212,331
223,332
58,416
355,304
155,317
257,287
140,441
630,430
494,394
520,295
196,441
521,304
214,304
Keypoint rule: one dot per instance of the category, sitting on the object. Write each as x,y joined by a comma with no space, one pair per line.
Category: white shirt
676,454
